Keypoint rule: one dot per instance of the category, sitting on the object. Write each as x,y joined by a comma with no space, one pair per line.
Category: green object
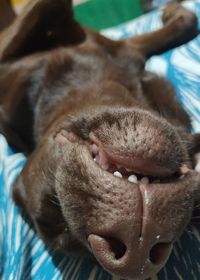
100,14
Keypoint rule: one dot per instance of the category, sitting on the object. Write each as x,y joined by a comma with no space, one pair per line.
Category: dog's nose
134,259
139,248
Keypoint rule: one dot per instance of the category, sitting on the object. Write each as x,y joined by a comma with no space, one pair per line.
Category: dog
111,159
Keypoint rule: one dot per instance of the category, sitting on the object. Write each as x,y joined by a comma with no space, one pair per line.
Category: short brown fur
62,85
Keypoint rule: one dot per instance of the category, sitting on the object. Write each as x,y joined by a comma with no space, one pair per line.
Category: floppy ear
43,25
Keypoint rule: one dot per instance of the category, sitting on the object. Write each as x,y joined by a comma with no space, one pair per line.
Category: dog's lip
74,140
107,158
135,167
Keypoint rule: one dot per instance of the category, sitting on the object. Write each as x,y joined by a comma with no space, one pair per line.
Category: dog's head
115,178
79,187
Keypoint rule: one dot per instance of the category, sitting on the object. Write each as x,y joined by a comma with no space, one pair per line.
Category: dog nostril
159,253
116,247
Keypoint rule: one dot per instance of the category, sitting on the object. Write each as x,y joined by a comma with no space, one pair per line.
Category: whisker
53,175
54,202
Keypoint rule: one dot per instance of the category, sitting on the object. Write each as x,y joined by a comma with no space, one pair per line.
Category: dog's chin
127,209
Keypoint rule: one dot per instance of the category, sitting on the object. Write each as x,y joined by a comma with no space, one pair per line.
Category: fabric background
23,256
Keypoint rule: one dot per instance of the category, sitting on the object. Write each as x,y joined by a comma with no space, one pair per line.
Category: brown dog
83,107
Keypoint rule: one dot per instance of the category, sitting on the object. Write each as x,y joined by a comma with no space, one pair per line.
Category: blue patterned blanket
23,256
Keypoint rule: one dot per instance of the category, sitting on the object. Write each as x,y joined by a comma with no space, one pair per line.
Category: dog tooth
132,179
117,174
158,237
145,180
97,159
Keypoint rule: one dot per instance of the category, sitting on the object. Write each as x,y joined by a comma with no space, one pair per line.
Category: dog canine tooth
133,179
117,174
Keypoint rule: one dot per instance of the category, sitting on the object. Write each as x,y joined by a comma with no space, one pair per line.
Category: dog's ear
43,25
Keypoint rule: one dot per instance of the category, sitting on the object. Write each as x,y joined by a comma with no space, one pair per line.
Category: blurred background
100,14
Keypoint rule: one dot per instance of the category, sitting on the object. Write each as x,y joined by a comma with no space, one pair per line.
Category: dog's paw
183,19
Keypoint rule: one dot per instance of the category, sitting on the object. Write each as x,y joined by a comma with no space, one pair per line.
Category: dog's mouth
133,169
136,218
